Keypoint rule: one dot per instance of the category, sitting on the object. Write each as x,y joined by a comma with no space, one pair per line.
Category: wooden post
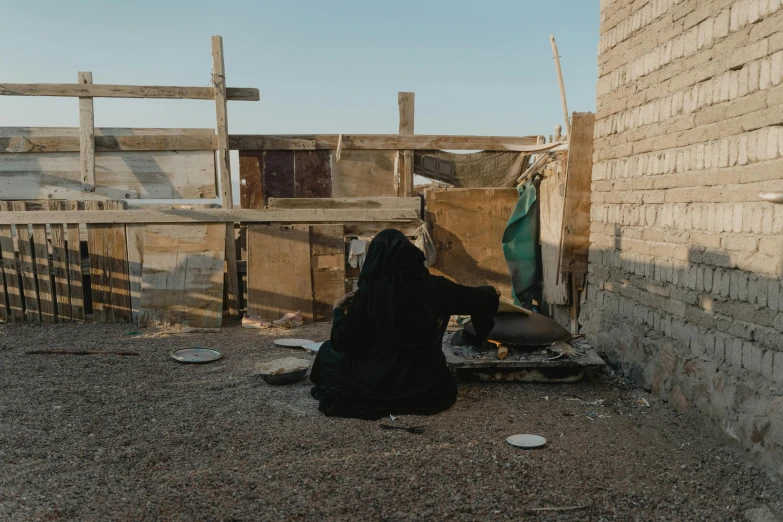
562,87
227,197
405,101
87,137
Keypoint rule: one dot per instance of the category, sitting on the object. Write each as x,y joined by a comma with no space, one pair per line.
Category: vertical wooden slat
43,274
87,137
251,189
135,239
13,284
26,267
75,285
405,101
60,266
108,251
219,81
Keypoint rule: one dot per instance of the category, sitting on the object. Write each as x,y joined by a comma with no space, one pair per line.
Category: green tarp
519,246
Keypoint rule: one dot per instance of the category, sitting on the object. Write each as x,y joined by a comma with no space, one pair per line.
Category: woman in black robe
385,356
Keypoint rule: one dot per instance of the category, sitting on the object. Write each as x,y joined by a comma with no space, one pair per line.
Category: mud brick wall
684,286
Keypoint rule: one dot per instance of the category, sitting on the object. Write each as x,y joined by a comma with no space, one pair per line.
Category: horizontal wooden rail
377,142
169,142
365,203
302,216
124,91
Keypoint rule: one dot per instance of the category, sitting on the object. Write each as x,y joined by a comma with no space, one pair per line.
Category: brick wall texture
684,285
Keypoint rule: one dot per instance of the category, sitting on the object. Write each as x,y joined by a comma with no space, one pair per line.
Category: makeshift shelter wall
684,283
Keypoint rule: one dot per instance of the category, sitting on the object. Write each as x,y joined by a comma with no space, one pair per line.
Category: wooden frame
79,90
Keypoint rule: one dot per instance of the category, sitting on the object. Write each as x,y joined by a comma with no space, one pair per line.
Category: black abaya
385,355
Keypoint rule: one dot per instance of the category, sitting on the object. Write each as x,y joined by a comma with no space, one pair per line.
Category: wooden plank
467,228
111,132
216,215
327,250
182,278
279,279
75,282
363,173
576,221
366,203
221,111
108,252
162,142
232,274
60,265
551,194
279,174
26,264
134,235
118,175
86,137
312,174
378,142
43,274
13,283
125,91
405,101
251,187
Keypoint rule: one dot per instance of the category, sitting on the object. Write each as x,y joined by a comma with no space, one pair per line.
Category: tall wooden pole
562,87
87,137
405,101
227,196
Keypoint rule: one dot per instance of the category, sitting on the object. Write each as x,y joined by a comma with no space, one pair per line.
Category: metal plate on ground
196,355
312,347
293,343
526,441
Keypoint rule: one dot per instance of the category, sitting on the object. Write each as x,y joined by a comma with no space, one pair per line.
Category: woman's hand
344,300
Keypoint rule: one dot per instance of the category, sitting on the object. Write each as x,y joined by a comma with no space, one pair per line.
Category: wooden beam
22,144
87,137
227,197
78,90
562,86
405,102
378,142
365,203
218,215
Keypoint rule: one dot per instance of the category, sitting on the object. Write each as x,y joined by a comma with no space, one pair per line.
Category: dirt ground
105,437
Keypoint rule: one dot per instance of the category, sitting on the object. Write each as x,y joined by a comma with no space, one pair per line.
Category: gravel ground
102,437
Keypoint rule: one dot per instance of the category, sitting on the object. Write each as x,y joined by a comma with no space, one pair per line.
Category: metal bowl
284,378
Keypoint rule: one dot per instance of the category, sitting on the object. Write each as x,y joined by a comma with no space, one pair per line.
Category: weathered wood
26,264
43,274
118,175
279,279
75,282
182,281
163,142
216,215
405,101
111,132
13,284
232,274
560,83
467,228
363,173
107,247
551,194
134,235
60,265
278,173
251,188
576,221
327,249
86,137
377,142
364,203
312,174
125,91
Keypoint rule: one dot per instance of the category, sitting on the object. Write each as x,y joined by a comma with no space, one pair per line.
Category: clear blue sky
321,67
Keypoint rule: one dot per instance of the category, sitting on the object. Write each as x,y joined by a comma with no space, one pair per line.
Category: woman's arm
480,302
351,332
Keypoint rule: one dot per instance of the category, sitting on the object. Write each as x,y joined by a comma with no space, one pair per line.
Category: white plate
526,441
293,343
312,347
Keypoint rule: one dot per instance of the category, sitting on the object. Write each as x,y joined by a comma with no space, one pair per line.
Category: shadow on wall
701,328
